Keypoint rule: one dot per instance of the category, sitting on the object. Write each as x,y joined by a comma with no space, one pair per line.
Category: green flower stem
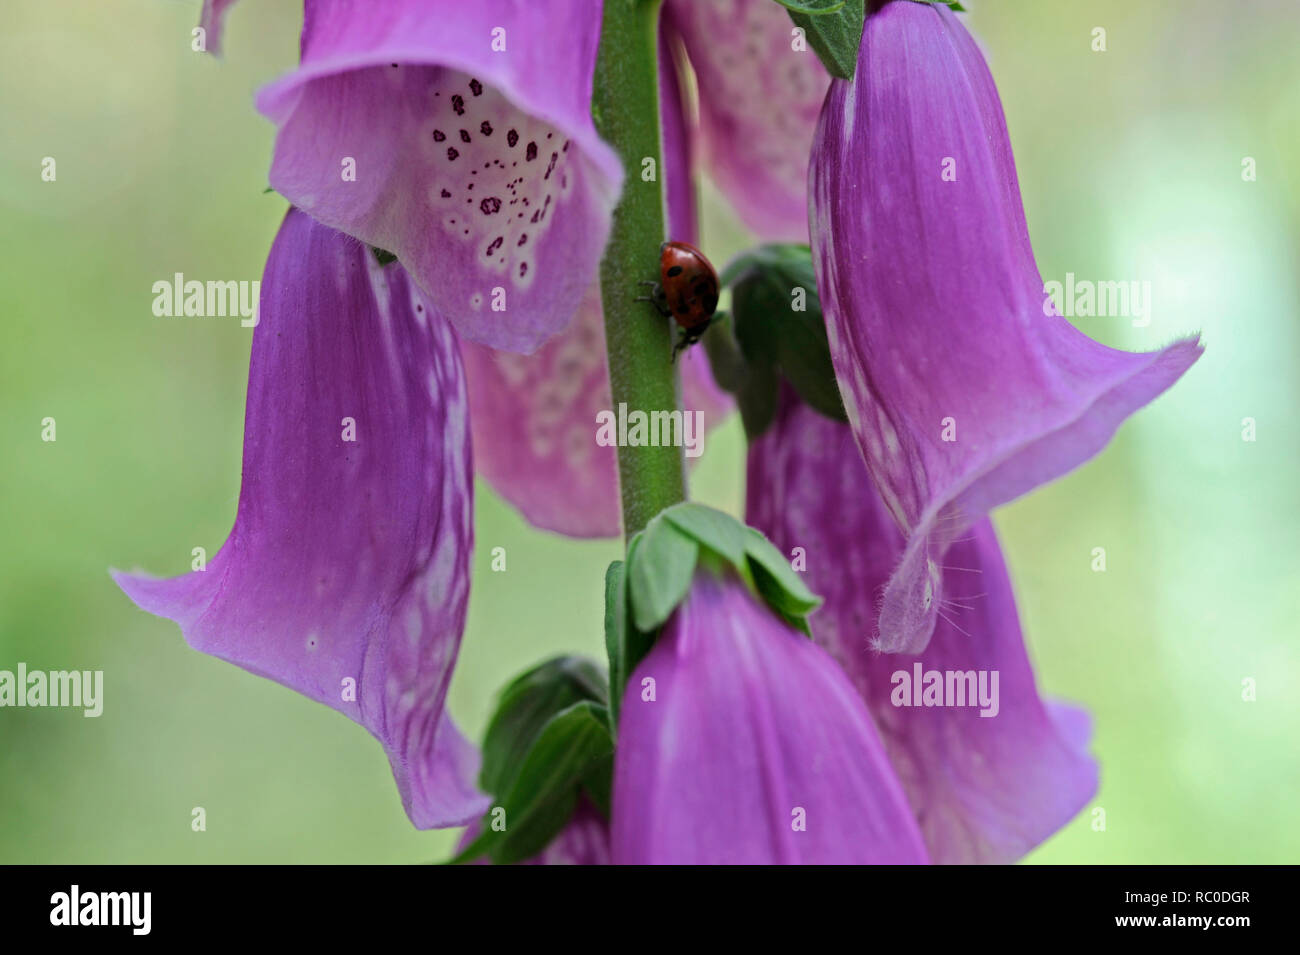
625,105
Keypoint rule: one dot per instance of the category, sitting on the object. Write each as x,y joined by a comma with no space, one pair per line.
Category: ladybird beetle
687,291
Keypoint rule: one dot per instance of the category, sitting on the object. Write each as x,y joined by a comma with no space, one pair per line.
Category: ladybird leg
655,298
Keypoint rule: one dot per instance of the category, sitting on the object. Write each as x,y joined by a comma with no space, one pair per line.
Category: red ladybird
687,290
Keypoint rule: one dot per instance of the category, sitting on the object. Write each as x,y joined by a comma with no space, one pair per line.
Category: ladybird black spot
531,152
700,288
458,104
439,135
682,309
476,87
485,128
675,271
490,206
451,153
464,136
512,137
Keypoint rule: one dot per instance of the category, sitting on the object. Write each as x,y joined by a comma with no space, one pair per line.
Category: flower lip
503,220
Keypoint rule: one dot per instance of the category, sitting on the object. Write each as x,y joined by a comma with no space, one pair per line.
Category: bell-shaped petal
742,742
534,416
760,91
346,576
584,841
460,139
963,389
985,788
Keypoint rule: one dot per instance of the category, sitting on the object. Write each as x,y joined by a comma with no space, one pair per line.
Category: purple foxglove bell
759,101
985,789
459,138
963,391
346,576
534,416
741,741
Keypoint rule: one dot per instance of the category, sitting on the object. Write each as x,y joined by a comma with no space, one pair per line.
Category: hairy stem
638,339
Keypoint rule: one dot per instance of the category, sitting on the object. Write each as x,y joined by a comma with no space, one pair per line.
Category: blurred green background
1130,164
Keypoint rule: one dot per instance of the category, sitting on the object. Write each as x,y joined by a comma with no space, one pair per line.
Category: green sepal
777,583
716,530
659,574
717,539
834,34
524,707
574,744
952,5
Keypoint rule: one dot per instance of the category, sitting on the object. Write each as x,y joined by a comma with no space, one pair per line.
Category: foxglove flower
534,416
984,789
962,391
759,101
741,741
346,576
460,139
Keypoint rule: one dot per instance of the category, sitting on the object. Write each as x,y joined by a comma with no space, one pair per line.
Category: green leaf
778,321
525,706
598,783
717,531
569,748
757,399
383,256
659,573
812,9
725,359
835,36
776,580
